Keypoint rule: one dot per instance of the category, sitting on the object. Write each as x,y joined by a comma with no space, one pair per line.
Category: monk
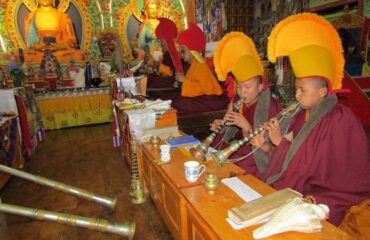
200,90
164,76
324,153
258,106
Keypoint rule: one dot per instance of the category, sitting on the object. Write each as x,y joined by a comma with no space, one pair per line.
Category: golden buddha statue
48,28
147,39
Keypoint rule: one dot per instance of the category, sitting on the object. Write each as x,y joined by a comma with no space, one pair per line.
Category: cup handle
202,168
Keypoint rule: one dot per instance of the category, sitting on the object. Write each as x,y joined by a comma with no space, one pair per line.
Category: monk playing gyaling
324,153
236,53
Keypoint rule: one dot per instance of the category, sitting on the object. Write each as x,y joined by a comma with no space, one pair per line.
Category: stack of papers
158,104
244,191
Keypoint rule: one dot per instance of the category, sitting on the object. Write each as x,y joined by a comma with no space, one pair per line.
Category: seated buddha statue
47,28
146,38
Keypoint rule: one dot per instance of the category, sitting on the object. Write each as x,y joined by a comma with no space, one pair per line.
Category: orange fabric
357,221
199,80
164,70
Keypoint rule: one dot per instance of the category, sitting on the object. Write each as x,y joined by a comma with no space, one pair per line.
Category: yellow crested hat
237,53
313,46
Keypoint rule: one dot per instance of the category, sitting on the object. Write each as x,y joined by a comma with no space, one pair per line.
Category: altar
70,108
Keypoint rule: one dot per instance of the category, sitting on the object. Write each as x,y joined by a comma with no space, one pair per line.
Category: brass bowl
155,141
211,183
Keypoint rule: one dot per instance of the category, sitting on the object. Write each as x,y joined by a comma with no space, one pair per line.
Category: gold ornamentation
11,23
30,4
64,5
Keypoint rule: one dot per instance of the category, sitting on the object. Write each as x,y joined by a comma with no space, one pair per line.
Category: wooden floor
82,157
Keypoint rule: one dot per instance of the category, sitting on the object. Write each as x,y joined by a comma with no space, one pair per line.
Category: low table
164,182
206,215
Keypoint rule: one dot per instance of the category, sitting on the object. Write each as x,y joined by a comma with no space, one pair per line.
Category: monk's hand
215,124
238,119
179,77
258,140
274,131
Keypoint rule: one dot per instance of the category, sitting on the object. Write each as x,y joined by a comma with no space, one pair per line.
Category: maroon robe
189,106
332,163
248,164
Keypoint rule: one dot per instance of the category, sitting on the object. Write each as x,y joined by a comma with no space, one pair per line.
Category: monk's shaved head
310,91
319,82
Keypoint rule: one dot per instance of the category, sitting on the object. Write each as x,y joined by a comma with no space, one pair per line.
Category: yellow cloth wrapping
199,80
357,221
69,111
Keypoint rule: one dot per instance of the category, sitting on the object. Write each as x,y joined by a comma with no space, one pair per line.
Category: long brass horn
106,201
124,229
221,157
137,189
199,152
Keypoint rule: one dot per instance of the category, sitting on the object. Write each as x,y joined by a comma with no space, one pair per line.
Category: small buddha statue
147,38
47,28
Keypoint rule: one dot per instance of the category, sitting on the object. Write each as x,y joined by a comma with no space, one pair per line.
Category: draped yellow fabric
69,111
357,221
199,80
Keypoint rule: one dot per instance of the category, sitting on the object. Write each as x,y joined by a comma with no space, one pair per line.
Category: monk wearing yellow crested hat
237,54
325,152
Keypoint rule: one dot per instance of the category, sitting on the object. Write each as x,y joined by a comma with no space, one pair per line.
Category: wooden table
206,215
164,183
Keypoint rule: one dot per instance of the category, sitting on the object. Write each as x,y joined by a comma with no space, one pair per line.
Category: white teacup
165,152
193,170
